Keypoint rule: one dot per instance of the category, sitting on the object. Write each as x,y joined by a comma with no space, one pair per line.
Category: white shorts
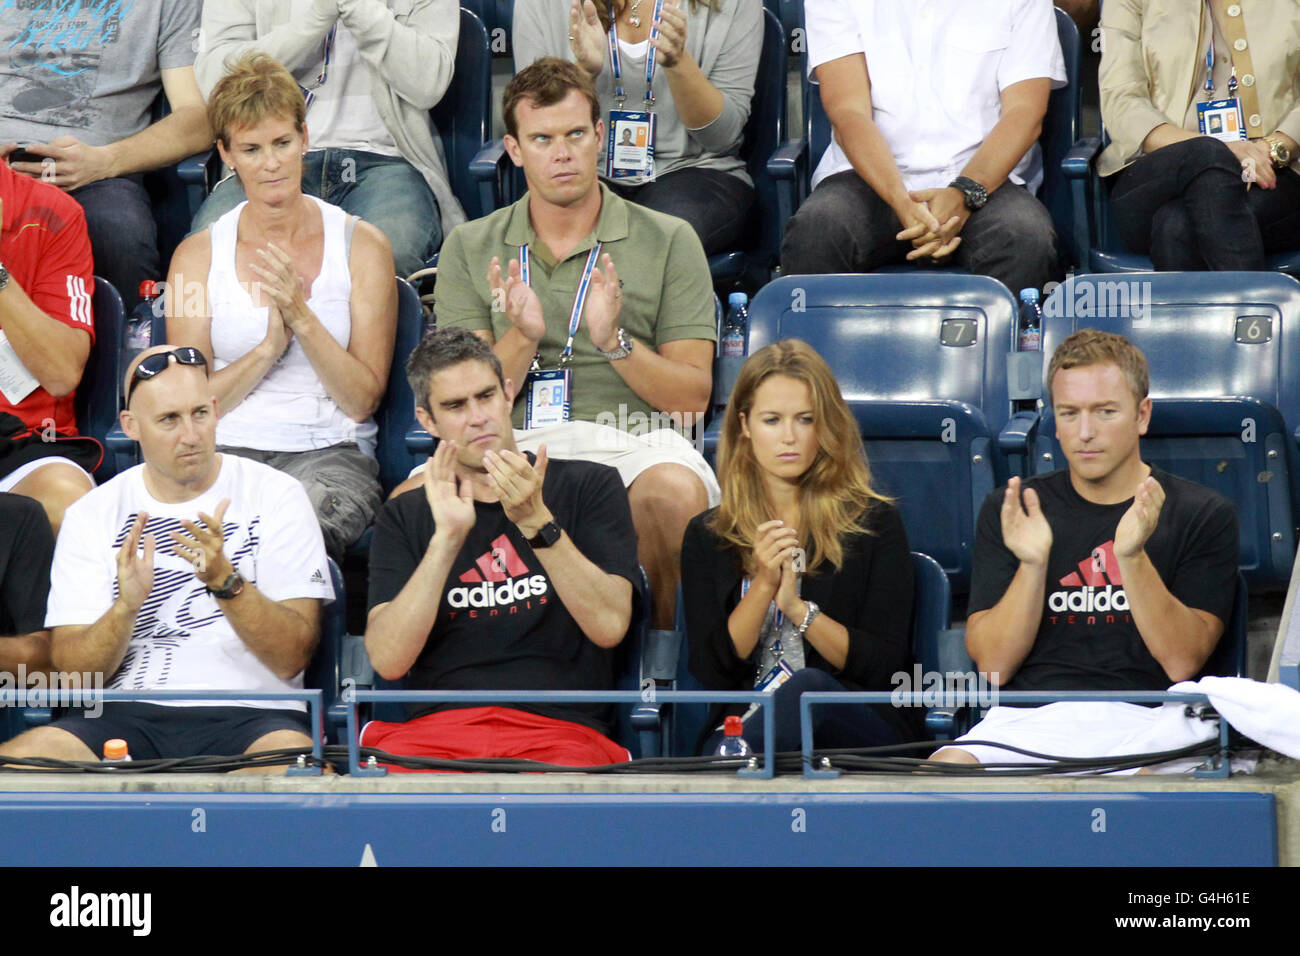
1088,729
8,482
630,454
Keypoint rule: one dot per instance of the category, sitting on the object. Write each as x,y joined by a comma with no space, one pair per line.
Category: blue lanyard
616,63
1209,61
327,52
1209,54
575,317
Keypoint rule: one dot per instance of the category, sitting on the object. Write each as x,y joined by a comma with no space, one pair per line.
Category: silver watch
623,351
809,616
4,276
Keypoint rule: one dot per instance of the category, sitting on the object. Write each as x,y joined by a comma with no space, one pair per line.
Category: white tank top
289,410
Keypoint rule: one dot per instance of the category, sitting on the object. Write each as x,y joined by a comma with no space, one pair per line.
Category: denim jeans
123,234
385,191
845,227
1187,207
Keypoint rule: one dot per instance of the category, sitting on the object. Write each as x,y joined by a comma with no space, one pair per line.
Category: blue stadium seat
921,359
463,117
176,191
396,413
764,132
792,165
498,19
1225,385
99,396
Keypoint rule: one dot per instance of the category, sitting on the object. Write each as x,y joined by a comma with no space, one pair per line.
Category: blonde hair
1094,347
255,87
834,493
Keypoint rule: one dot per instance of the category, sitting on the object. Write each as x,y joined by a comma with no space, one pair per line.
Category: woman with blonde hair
294,304
801,580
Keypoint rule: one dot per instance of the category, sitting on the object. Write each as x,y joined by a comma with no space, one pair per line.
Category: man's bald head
195,360
173,416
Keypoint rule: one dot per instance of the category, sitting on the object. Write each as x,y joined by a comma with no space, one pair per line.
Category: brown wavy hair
835,492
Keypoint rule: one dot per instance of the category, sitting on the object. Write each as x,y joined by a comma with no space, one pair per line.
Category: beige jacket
1150,68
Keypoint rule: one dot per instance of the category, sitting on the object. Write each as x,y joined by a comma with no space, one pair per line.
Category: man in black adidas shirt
502,572
1110,575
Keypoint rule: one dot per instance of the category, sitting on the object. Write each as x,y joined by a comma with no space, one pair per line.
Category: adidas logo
499,577
317,577
1096,586
501,562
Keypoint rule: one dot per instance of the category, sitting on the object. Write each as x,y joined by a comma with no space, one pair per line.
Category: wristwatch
809,617
623,351
4,276
1278,152
231,588
547,535
976,195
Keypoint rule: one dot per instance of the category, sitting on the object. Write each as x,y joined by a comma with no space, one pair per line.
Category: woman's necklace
633,17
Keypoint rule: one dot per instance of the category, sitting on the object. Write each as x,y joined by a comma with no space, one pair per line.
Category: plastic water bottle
139,328
733,744
735,329
1031,321
115,751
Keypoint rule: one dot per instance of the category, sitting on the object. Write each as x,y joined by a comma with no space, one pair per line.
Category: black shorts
154,732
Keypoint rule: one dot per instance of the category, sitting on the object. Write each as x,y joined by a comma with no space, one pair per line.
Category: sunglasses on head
157,363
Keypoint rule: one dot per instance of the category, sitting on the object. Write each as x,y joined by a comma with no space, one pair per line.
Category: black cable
877,760
209,763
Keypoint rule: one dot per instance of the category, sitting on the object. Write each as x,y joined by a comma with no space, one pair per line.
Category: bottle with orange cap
115,751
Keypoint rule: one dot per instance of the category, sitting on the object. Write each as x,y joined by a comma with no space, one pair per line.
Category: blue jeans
123,234
385,191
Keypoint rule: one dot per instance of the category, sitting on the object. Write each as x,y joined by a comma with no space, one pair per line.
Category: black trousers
844,226
1187,206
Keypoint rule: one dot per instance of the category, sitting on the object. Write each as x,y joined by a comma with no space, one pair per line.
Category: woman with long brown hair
801,580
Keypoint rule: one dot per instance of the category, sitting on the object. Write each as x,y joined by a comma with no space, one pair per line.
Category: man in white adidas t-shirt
193,571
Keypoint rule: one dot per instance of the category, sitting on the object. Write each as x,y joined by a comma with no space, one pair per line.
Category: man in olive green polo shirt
642,354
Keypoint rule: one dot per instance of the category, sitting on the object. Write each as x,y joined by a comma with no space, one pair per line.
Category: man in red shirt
46,330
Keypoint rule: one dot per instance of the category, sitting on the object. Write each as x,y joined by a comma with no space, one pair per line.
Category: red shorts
472,732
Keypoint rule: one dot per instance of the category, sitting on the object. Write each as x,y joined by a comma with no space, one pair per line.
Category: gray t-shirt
89,69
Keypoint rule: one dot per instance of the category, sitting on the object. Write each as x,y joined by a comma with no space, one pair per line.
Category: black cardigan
870,594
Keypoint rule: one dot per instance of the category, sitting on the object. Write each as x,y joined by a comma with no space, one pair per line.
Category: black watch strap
232,587
976,195
546,537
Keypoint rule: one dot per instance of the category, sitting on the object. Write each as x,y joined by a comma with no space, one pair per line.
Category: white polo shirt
937,69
